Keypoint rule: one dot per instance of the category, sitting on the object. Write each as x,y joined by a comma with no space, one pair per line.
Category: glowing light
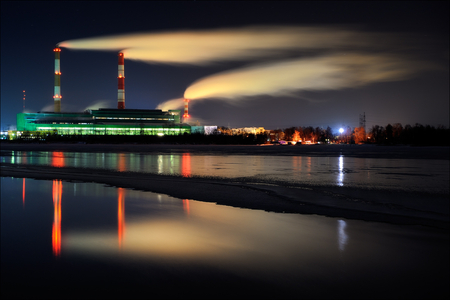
341,130
120,216
122,163
342,236
23,193
56,229
186,206
186,165
57,159
341,171
160,134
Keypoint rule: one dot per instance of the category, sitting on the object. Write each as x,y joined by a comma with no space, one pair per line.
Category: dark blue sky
30,31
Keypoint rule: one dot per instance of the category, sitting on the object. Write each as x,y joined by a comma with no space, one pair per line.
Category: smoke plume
302,58
207,46
177,103
335,71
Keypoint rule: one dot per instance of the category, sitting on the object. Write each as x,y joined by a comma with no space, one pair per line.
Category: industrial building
104,121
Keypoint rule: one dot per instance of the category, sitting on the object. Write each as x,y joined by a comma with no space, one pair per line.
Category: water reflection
58,159
120,215
122,164
281,250
341,171
56,229
398,174
186,206
342,235
23,193
186,165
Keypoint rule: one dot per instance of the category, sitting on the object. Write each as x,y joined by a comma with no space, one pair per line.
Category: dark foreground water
84,240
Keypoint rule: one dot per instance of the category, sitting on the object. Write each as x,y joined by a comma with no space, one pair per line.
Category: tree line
418,134
421,135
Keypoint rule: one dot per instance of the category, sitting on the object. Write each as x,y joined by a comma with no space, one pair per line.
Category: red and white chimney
186,114
57,92
121,83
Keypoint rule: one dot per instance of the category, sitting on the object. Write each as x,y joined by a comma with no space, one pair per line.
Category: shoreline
361,151
404,208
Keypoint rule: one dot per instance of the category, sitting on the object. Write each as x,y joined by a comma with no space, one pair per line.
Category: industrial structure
121,83
104,121
186,114
57,92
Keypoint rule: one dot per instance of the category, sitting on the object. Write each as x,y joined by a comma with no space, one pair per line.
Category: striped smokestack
121,83
57,93
186,114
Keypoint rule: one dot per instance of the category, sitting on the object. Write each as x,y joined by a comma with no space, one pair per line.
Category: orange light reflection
23,193
122,164
57,159
186,206
120,215
56,230
186,165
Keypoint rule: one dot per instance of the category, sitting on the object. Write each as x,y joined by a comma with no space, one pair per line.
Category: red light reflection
56,230
120,215
57,159
186,206
186,165
122,164
23,193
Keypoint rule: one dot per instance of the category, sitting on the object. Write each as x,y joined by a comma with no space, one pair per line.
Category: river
63,239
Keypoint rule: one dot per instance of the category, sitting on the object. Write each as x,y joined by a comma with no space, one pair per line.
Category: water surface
380,173
65,238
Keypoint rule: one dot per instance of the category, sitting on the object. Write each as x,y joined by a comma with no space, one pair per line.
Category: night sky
392,63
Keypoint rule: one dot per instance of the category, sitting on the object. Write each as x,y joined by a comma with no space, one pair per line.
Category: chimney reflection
186,165
23,192
186,206
120,215
57,159
56,230
122,164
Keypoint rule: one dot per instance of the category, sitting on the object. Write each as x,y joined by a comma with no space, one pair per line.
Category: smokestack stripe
121,83
57,89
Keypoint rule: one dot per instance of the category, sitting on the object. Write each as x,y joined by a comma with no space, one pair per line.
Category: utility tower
362,121
23,110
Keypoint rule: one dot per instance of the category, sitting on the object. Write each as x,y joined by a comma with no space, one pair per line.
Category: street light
341,130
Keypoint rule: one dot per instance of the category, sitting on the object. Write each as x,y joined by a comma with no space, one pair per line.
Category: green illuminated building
105,121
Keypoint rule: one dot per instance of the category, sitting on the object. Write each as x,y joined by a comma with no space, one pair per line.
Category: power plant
104,121
121,83
57,93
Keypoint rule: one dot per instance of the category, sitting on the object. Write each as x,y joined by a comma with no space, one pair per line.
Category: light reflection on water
403,174
340,181
56,229
115,224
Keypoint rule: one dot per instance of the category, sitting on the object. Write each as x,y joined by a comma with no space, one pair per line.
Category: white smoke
206,46
335,71
177,103
101,104
324,58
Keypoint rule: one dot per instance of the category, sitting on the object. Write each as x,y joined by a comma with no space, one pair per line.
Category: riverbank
410,208
367,151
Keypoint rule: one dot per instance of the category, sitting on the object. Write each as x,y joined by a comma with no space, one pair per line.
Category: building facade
105,122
